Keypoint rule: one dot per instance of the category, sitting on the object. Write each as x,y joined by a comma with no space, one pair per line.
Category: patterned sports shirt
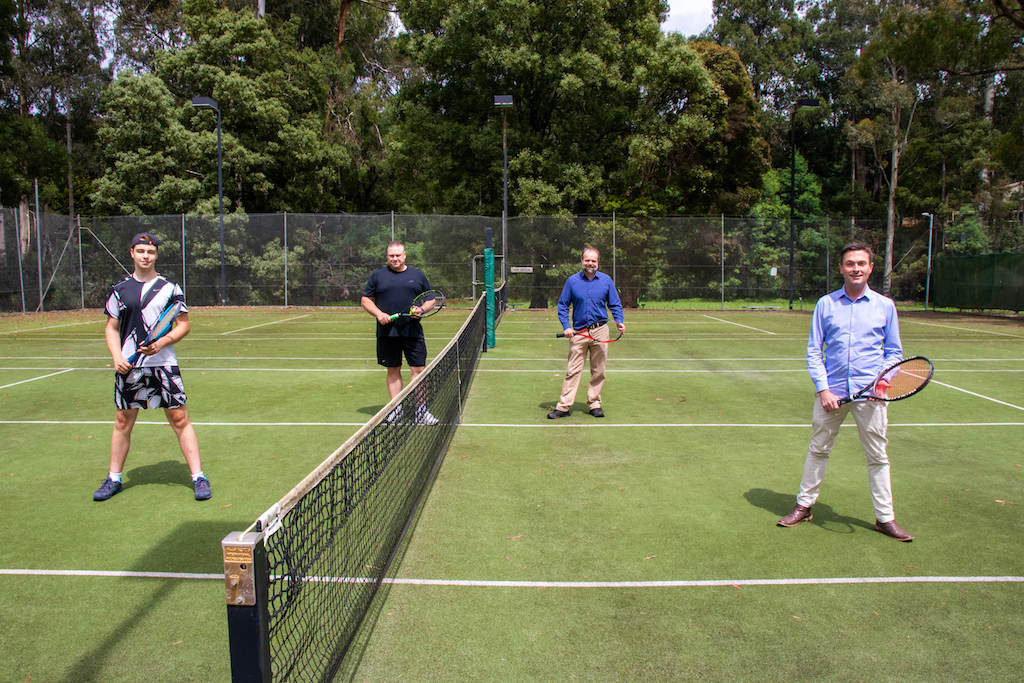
137,305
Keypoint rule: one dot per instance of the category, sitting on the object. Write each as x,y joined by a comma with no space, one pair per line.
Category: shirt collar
868,294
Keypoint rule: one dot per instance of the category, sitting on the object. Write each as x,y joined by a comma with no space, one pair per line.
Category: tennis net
318,556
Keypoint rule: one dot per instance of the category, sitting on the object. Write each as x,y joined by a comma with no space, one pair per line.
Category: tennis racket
427,304
161,327
899,380
583,333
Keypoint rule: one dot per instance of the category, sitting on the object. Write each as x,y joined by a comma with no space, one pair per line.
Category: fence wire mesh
325,259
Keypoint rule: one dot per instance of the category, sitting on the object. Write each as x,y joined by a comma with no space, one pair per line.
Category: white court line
197,368
987,398
659,371
273,322
537,425
51,327
729,322
14,384
588,425
963,329
810,581
201,424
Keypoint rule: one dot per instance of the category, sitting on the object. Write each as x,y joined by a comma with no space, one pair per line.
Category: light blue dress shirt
852,341
590,300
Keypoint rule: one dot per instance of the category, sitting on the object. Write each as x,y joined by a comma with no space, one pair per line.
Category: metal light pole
800,104
504,102
210,103
928,277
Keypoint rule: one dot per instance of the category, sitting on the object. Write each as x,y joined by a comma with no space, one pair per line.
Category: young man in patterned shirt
154,380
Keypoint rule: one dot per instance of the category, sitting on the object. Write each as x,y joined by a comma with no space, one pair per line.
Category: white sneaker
394,416
423,416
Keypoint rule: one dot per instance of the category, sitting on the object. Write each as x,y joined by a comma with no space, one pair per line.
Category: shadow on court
178,552
781,504
370,410
166,473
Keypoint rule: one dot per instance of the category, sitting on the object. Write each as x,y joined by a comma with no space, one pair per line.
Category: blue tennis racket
161,327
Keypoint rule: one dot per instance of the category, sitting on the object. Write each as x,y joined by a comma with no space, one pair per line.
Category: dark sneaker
556,413
202,487
597,412
108,490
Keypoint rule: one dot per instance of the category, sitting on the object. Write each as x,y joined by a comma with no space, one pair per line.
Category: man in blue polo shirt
591,295
854,335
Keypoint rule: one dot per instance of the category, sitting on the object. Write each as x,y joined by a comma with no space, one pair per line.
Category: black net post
245,578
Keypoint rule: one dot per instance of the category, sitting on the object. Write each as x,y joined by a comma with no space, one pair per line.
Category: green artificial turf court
640,547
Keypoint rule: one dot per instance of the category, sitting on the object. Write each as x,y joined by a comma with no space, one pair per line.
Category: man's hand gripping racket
161,327
423,306
585,334
899,380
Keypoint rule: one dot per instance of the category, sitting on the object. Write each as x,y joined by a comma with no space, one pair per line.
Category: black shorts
156,387
390,350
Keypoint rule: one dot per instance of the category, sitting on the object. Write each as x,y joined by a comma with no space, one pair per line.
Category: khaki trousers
872,422
578,348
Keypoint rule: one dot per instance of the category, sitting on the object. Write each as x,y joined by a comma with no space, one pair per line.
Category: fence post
722,245
286,259
183,290
81,273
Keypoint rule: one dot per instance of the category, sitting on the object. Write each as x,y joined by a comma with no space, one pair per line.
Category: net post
245,579
489,284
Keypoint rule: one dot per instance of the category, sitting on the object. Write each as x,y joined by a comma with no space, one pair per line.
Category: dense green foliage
335,107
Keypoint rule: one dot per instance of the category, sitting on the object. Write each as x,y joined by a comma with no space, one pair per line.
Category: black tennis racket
899,380
423,306
161,327
583,333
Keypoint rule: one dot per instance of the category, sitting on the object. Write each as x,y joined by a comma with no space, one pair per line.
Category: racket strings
908,378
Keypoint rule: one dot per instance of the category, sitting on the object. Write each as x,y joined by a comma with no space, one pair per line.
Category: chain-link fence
325,259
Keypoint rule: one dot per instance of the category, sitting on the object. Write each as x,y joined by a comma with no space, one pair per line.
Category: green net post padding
489,286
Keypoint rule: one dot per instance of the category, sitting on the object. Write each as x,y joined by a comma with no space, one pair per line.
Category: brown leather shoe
893,529
799,514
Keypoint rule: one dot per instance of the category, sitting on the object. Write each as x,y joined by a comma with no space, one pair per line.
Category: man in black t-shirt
391,289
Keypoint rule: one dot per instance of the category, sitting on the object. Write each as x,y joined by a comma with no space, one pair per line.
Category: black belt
597,325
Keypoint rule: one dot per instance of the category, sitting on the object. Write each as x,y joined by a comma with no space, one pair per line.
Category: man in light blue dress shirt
854,335
591,295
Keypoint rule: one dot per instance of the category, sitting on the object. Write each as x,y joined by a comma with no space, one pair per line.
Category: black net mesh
330,542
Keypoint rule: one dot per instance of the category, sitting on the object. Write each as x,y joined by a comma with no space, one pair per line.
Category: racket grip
560,334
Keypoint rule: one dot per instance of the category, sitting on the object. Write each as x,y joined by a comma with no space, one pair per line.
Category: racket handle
560,334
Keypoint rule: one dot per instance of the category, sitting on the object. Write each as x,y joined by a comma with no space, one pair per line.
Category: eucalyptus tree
272,98
54,75
571,69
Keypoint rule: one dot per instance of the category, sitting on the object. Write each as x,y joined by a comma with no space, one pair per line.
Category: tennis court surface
640,547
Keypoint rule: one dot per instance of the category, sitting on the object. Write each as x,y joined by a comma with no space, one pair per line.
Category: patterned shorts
149,388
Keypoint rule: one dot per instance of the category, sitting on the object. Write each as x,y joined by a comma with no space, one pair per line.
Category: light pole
210,103
928,276
504,102
800,104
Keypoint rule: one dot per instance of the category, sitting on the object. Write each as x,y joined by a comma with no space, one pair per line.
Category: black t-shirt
393,293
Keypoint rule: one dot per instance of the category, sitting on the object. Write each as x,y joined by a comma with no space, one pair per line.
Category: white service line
987,398
14,384
273,322
538,425
729,322
810,581
51,327
963,329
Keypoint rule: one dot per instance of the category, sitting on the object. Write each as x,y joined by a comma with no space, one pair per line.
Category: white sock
116,476
197,475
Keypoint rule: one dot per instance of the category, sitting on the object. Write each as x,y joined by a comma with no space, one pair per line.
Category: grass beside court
701,452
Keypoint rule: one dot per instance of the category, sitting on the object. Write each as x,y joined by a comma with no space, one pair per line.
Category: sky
688,17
